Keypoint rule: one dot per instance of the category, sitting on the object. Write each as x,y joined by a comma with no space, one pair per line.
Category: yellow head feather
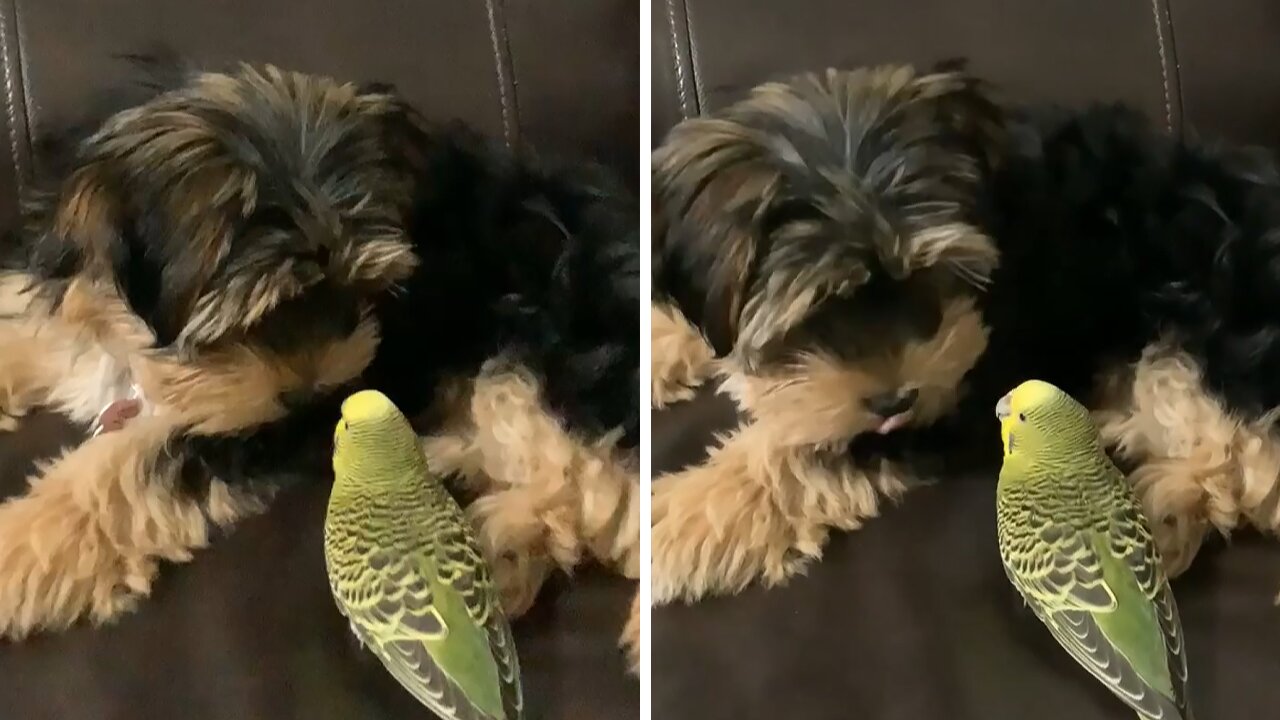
1037,416
372,435
368,405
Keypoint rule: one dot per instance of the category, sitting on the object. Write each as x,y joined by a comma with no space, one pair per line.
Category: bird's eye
1022,417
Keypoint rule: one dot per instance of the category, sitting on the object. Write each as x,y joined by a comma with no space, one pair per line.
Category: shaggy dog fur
869,259
246,248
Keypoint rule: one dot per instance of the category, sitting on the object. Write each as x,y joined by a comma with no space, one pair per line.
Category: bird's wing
1075,581
462,567
403,609
1128,538
1053,564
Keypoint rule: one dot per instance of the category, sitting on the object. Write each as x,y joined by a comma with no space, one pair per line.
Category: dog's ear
711,182
85,228
77,228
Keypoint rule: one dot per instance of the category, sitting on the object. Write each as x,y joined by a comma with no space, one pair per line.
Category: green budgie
1077,546
407,572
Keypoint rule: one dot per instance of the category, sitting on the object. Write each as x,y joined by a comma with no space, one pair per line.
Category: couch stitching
10,100
681,90
28,103
1164,65
506,72
698,90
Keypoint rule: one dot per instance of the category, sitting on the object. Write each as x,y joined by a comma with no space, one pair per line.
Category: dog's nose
894,402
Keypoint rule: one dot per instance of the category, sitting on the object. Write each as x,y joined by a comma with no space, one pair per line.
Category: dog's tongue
893,423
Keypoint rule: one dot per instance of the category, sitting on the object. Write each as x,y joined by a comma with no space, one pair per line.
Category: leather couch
247,631
911,618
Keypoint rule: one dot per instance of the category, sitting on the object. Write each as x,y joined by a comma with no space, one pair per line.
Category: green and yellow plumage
407,572
1077,546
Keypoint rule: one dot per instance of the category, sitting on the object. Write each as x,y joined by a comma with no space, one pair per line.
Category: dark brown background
911,618
247,631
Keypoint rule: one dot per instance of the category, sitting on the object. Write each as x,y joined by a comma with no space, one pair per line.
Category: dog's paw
1179,542
36,596
55,572
702,547
678,379
11,415
630,639
682,359
670,391
518,581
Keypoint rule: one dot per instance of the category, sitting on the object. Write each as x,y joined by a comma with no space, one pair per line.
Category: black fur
536,263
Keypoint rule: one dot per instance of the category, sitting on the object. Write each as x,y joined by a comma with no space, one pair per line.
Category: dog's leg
1196,467
756,510
87,538
682,358
546,496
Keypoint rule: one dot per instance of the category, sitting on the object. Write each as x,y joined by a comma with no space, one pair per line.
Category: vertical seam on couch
10,99
506,71
1162,17
27,104
693,58
682,90
1175,70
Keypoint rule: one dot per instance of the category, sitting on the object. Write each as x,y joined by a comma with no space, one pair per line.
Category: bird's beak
1002,408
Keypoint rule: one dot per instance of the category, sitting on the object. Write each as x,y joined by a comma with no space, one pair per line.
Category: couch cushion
1208,65
558,75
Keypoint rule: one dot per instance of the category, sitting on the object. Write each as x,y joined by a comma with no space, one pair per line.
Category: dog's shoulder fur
1114,235
533,260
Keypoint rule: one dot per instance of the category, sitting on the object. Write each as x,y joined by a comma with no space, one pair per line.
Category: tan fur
959,246
240,387
682,358
87,538
817,400
1198,467
757,509
83,354
547,498
73,357
761,505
